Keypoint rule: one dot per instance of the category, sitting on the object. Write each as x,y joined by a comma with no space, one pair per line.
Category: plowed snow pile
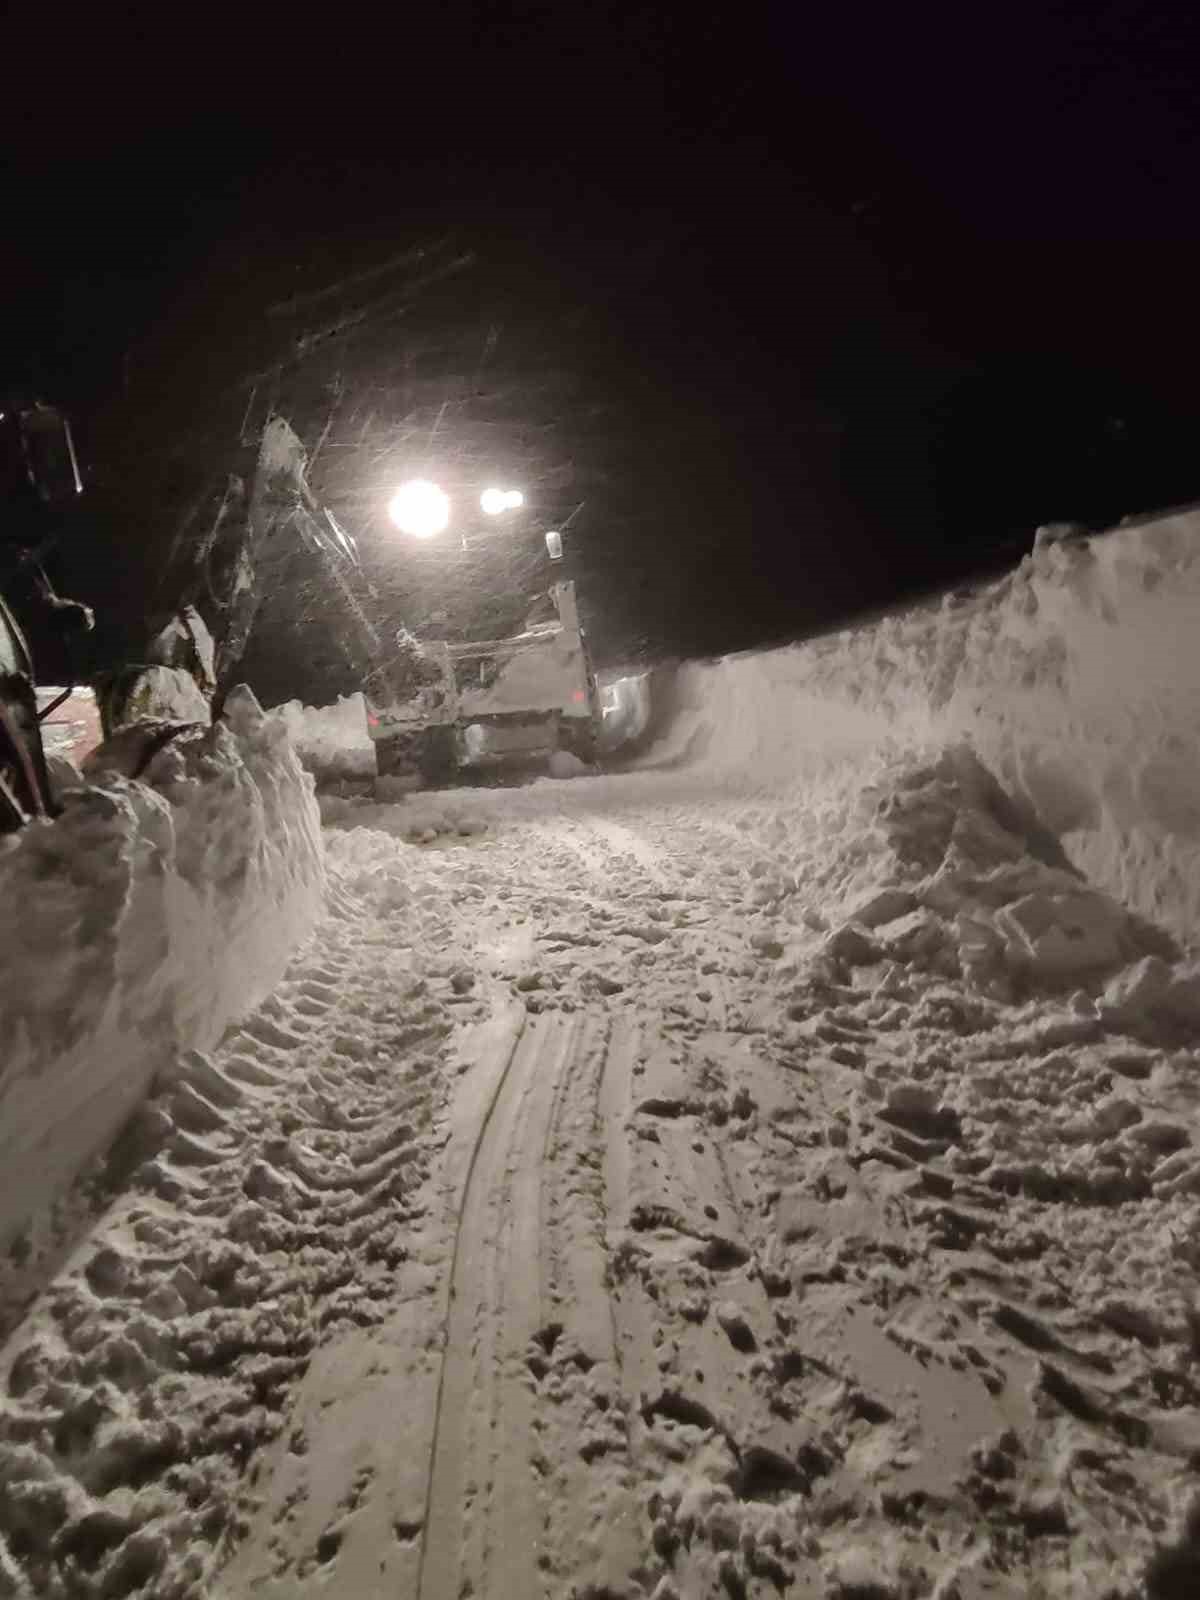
140,923
331,741
772,1172
1076,680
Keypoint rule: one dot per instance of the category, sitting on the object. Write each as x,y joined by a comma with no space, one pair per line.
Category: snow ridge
1076,679
149,916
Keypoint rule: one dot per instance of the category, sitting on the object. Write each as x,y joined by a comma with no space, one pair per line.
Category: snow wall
140,924
1076,679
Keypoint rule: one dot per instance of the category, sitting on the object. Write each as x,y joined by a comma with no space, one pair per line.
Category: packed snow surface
775,1170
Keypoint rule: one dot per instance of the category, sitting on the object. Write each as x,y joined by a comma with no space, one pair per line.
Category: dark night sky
849,305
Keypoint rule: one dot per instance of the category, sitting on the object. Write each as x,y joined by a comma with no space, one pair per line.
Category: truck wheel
397,755
578,737
438,756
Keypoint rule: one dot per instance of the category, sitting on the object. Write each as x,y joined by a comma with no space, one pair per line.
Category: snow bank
1076,680
139,924
331,741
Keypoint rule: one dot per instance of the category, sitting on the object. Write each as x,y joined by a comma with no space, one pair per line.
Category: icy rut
661,1190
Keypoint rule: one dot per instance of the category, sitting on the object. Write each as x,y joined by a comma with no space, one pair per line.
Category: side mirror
37,457
50,452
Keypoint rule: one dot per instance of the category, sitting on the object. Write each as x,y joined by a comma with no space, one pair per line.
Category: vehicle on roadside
39,475
434,708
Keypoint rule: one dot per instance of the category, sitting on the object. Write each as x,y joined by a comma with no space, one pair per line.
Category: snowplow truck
436,707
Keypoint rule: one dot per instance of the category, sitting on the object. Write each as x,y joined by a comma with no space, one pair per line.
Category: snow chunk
186,642
331,741
1065,935
164,693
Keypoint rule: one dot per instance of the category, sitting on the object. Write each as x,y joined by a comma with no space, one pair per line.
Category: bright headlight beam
494,501
420,508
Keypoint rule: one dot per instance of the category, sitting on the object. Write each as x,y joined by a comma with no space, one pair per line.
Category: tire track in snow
590,1514
528,1482
482,1523
645,894
625,845
266,1222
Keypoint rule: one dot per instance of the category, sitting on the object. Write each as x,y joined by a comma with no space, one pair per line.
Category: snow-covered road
648,1185
773,1171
